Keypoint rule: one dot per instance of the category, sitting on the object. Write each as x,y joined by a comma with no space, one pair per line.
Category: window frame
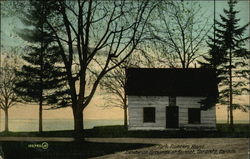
146,119
191,118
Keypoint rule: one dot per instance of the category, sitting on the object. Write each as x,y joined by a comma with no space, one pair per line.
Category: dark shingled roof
171,82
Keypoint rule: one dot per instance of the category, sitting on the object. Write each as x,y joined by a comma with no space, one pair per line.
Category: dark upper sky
10,24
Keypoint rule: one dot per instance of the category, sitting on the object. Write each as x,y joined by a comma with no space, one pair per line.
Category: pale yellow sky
96,111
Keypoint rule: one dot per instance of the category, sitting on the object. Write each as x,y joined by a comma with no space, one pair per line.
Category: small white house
171,99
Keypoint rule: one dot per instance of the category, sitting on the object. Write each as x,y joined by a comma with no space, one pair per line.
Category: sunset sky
95,110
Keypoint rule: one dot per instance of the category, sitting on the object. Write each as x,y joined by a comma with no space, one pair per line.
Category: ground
196,148
112,142
137,148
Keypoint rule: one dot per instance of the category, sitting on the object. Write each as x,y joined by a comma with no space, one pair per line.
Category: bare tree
113,85
91,35
114,82
8,98
179,30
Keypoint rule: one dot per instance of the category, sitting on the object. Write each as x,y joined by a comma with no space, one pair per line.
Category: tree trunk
183,64
78,124
230,90
40,116
6,120
125,116
125,109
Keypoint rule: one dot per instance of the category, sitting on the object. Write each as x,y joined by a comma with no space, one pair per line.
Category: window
194,116
148,114
172,101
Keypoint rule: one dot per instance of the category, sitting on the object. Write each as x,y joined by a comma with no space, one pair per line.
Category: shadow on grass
240,131
63,150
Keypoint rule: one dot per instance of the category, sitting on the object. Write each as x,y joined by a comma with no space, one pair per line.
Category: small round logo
45,145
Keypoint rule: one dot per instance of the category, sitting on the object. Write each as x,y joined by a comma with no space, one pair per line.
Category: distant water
236,121
17,125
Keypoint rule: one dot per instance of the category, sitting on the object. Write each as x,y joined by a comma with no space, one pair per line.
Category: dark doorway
172,117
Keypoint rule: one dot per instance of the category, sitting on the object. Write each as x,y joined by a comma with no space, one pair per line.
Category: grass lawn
76,150
240,130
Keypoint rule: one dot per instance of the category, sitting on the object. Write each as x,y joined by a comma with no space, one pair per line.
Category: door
172,117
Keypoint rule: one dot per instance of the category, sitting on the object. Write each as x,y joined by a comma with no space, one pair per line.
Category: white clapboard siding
137,103
147,101
207,117
135,109
188,102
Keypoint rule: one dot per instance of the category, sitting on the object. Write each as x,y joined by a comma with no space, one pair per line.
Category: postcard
107,79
